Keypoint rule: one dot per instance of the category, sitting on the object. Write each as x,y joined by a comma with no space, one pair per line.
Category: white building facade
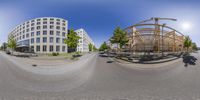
84,41
42,35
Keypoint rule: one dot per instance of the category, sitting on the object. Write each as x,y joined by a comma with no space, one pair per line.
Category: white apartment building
84,41
41,35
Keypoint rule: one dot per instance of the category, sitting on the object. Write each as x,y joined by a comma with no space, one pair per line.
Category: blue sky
100,17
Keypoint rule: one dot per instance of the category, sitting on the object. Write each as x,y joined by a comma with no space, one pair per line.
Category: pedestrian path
49,67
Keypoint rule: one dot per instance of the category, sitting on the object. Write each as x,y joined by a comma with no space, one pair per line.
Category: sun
186,26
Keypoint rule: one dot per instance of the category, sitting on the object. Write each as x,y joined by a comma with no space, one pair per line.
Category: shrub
55,54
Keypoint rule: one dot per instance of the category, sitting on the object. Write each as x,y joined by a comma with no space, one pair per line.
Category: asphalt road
104,81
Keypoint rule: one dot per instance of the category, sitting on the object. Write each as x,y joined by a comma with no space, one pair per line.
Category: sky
100,17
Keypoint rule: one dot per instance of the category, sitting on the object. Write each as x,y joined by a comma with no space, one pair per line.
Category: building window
57,19
63,33
32,24
23,36
44,39
27,35
58,33
37,48
32,40
27,30
63,40
44,32
63,48
51,32
32,48
38,33
57,40
32,33
44,48
63,28
51,27
58,23
38,27
51,48
44,26
44,22
32,28
38,23
51,22
51,19
58,27
38,40
57,48
51,40
38,19
44,19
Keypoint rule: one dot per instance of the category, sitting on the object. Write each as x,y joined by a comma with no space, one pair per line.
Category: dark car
8,52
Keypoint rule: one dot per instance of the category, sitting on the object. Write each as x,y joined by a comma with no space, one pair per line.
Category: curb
145,62
141,66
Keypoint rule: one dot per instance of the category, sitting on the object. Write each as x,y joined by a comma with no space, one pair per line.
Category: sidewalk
48,66
147,65
146,62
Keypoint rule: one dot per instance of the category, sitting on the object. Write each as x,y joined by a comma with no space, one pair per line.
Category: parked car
8,51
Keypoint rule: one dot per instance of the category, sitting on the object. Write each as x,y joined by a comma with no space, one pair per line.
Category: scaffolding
153,38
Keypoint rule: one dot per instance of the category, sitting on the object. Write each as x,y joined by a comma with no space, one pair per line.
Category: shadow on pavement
110,61
188,59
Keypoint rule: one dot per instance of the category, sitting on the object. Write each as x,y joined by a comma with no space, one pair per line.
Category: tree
1,48
94,48
119,37
12,44
4,46
187,42
72,39
90,46
103,47
194,46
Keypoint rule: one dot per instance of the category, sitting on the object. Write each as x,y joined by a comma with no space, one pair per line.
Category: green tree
103,47
1,48
187,43
12,44
90,46
94,48
72,39
194,46
4,46
119,37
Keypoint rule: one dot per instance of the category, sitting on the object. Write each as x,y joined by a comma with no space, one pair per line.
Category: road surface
102,80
